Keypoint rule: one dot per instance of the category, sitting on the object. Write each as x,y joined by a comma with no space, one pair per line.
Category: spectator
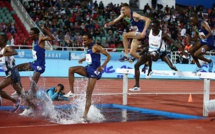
154,3
183,31
182,59
146,7
67,39
111,38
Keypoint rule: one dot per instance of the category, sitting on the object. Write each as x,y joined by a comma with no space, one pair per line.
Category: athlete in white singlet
157,49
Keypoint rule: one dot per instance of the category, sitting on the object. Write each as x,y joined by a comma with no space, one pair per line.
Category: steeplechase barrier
201,75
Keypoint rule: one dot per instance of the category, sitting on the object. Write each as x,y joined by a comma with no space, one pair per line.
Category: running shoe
134,89
27,112
124,58
198,69
144,69
17,105
83,120
0,101
174,68
210,69
69,94
15,94
149,72
132,60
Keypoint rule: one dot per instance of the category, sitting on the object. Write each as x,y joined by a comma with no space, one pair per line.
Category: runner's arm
114,21
9,51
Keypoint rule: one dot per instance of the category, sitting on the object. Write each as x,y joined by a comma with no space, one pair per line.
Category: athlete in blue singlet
93,61
93,70
141,22
38,51
204,42
39,58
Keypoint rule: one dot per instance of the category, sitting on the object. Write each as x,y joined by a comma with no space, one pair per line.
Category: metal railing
26,19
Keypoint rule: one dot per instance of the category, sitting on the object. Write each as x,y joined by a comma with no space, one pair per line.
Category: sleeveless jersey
156,43
7,63
93,59
210,40
38,54
140,24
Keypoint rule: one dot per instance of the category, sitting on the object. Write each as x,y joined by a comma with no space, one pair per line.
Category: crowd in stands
10,24
67,20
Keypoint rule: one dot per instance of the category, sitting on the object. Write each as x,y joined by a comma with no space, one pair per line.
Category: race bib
2,61
201,34
88,58
34,54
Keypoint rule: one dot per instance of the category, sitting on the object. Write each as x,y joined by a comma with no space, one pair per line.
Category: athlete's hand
58,90
202,36
80,61
100,69
143,35
106,25
42,27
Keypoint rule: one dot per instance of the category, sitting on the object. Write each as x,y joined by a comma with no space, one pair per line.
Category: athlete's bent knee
124,35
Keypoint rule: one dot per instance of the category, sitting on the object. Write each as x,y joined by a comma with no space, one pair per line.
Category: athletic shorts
210,43
14,75
37,68
162,54
92,73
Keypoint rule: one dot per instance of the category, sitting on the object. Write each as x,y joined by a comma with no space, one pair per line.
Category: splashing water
69,114
210,106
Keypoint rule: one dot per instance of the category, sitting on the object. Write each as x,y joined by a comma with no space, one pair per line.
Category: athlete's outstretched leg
140,62
169,63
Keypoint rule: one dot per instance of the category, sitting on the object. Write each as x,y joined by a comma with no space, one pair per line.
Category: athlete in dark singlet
205,42
93,70
38,51
141,22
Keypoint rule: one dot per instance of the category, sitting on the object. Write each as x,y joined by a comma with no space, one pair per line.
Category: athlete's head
155,25
87,39
194,20
125,9
3,40
34,33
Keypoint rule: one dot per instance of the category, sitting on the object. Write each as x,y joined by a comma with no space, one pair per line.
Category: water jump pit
100,113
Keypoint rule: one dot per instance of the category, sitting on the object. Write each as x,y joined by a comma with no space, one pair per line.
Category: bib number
34,54
88,58
2,61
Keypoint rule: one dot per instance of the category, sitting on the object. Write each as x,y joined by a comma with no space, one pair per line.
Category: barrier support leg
125,89
206,94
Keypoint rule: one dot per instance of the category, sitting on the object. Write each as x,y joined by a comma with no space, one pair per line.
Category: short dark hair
156,22
125,5
90,36
194,16
36,30
61,86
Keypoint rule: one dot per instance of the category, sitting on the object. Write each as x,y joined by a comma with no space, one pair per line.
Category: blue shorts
210,43
91,73
162,54
37,68
14,75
